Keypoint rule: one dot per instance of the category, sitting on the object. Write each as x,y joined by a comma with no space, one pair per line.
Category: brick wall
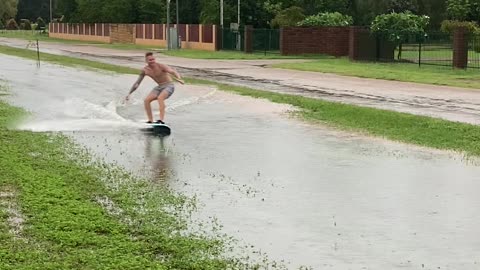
364,46
122,33
203,37
317,40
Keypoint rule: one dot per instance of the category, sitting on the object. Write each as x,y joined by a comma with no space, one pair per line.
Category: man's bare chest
154,72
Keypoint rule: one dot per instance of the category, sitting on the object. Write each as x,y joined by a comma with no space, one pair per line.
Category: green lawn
34,35
235,55
427,74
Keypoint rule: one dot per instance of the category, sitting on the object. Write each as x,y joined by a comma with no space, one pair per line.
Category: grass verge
403,127
74,213
436,75
33,35
66,61
235,55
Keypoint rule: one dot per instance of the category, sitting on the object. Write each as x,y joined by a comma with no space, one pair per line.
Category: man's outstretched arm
173,72
136,84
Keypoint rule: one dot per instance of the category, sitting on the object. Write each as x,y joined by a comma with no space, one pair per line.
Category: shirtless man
161,75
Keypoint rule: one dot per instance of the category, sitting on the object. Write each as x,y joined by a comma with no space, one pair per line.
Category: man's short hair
148,54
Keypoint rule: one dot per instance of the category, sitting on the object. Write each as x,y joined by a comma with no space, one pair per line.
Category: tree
319,6
458,9
152,11
435,9
32,9
210,12
8,9
403,5
119,11
189,11
67,8
398,27
364,11
89,11
474,13
288,17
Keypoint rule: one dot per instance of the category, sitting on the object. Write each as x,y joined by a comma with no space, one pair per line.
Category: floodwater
299,192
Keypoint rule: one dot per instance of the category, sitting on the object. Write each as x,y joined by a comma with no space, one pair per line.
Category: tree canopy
259,13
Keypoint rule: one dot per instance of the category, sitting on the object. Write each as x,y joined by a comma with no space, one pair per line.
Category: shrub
327,19
26,25
448,26
12,24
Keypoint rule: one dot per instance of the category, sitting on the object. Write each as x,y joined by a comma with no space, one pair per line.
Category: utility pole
221,13
168,24
51,13
178,20
239,37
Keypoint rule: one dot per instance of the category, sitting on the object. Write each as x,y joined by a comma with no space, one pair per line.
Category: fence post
266,41
419,54
282,46
460,48
219,38
248,39
353,43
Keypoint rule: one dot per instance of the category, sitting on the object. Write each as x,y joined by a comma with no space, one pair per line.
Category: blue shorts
170,88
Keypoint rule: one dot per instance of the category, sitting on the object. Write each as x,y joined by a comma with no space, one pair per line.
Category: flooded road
450,103
301,193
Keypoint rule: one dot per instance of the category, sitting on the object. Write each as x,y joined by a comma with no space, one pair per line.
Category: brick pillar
214,33
248,39
218,38
282,45
460,48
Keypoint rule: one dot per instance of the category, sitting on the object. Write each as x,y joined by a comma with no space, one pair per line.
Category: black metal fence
474,51
232,40
433,49
266,41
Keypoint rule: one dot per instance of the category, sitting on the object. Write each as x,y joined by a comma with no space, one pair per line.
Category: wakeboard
157,129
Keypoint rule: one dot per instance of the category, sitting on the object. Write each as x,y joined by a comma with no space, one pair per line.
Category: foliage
397,27
26,25
449,26
327,19
12,24
403,5
8,9
40,23
458,9
288,17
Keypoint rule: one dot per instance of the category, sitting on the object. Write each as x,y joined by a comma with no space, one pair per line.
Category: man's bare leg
148,107
161,104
